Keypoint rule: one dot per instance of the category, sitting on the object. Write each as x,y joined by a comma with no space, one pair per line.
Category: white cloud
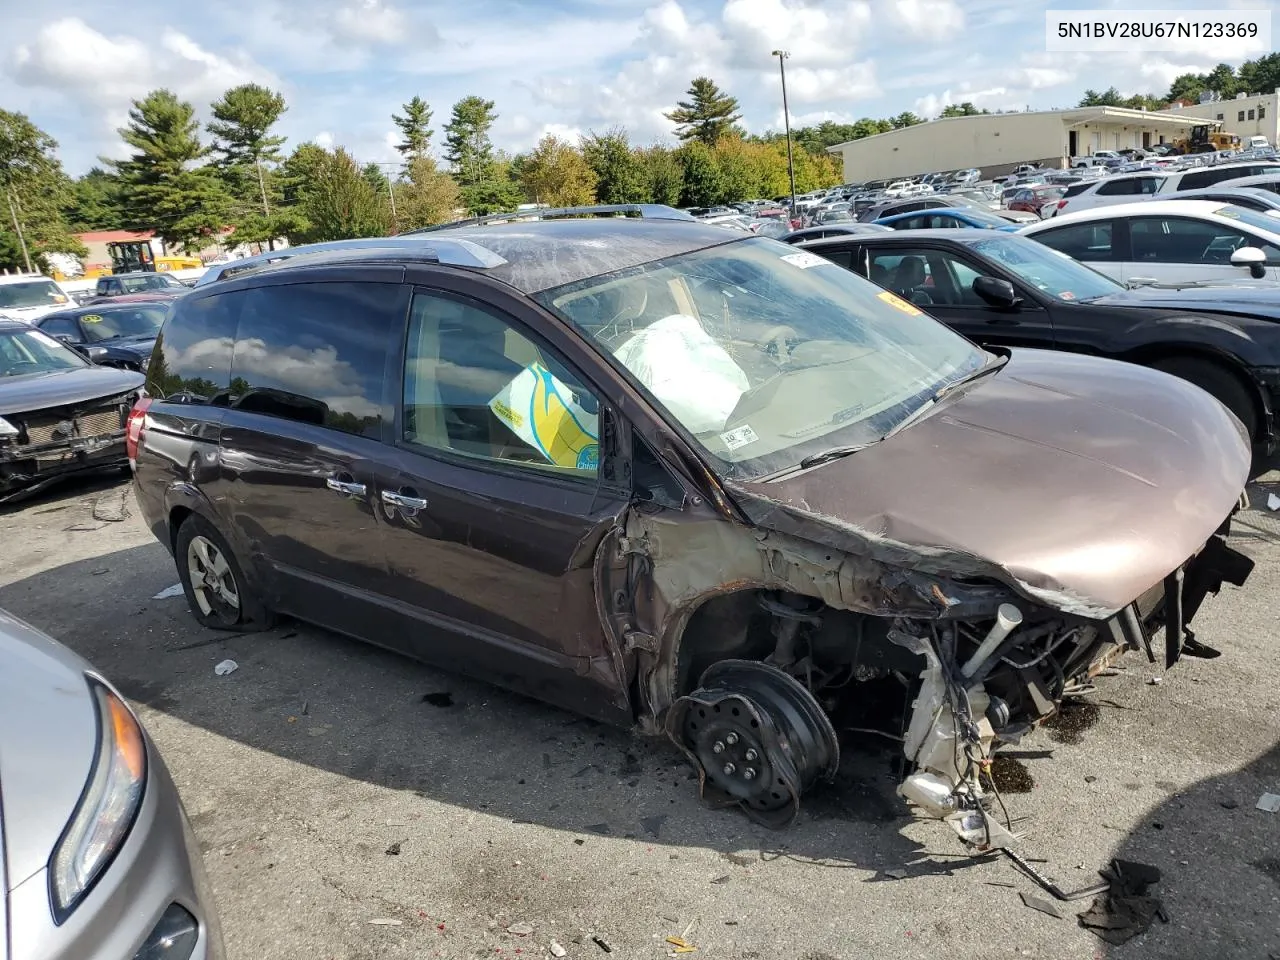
369,21
323,139
934,19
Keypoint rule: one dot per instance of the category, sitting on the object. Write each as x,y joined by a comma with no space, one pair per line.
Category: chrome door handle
402,500
343,486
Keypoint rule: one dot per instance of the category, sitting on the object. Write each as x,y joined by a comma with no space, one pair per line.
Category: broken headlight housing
7,430
107,808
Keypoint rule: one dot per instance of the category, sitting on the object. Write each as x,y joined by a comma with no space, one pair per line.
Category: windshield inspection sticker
739,437
91,318
805,260
895,301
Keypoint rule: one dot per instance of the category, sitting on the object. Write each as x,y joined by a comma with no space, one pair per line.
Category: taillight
1061,204
134,427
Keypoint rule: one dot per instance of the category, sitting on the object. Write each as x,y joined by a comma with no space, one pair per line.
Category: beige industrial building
996,143
1247,115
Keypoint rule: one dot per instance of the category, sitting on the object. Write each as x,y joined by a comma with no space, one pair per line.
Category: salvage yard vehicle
1168,241
30,296
1009,291
60,414
96,856
705,483
119,333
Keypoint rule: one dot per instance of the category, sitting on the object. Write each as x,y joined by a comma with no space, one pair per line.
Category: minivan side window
191,362
474,385
316,352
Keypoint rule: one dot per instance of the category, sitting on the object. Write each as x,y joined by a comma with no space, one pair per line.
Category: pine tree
341,204
162,189
415,127
467,143
707,115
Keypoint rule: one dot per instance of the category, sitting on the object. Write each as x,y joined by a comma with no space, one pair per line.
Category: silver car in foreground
97,859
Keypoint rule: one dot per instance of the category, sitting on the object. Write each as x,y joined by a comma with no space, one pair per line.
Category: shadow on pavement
343,706
1220,857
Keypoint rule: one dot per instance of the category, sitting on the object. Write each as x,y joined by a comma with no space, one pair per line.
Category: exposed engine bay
770,675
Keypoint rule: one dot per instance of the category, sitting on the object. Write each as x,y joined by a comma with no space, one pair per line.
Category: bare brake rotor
757,737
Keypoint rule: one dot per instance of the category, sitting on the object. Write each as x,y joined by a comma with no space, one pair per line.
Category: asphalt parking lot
354,804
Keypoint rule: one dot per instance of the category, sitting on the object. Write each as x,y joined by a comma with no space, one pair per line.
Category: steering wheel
777,337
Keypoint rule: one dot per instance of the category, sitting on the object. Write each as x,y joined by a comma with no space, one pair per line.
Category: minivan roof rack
457,253
644,211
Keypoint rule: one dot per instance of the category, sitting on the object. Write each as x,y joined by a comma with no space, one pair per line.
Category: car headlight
107,807
7,430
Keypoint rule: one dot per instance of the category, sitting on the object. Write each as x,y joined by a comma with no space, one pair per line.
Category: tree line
188,182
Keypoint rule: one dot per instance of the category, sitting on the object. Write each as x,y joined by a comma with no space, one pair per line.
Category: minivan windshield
766,354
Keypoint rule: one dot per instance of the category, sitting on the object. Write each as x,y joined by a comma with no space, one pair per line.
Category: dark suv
667,474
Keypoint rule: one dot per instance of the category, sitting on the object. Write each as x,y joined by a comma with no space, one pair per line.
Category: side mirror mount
1253,258
997,292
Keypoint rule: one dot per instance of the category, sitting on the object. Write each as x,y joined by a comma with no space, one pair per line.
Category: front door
1180,249
302,432
939,280
492,508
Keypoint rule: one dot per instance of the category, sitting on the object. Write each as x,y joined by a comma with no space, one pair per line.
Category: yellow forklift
134,256
1204,140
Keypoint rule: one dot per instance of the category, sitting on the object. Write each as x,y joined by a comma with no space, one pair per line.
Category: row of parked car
666,474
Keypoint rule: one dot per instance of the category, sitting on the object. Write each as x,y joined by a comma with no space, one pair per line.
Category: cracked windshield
639,479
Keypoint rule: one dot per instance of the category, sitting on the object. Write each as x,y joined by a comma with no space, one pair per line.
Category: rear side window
192,358
1080,241
1120,186
316,353
1076,189
1208,178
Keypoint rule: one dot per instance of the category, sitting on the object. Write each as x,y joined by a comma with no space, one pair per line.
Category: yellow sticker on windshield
91,318
895,301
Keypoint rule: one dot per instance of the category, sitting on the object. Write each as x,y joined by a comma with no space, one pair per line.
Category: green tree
94,202
162,188
662,173
1261,75
965,109
707,115
35,191
415,129
1187,86
703,184
1144,101
555,173
617,168
341,204
243,143
1223,80
467,144
907,119
1108,98
426,196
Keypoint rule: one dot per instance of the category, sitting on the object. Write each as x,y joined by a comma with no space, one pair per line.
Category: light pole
786,119
391,190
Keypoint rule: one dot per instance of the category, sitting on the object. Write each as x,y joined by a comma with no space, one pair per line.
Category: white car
899,188
1168,240
1125,188
30,296
1197,178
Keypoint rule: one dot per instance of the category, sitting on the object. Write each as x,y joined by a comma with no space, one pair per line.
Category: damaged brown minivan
669,475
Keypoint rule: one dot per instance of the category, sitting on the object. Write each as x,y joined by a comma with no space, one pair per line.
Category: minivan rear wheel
1220,383
216,588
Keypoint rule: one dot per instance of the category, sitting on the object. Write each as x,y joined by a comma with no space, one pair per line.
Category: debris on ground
1273,502
1041,904
556,949
1228,804
681,945
653,825
1154,682
225,667
602,945
167,592
724,879
1269,802
394,849
1125,910
520,929
112,507
442,699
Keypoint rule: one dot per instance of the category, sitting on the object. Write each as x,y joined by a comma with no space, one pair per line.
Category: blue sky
560,66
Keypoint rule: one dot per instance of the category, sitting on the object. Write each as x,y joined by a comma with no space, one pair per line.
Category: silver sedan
97,859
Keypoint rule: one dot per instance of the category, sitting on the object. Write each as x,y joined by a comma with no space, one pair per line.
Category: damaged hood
1081,482
58,388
